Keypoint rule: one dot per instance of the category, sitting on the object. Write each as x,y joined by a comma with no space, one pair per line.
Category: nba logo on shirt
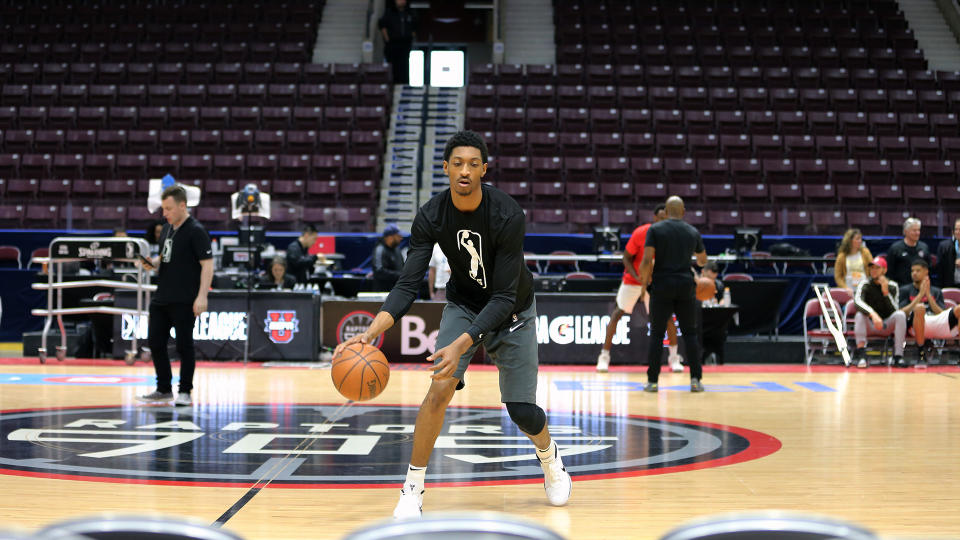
281,325
470,243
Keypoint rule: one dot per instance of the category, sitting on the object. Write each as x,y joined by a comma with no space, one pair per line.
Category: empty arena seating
746,109
98,97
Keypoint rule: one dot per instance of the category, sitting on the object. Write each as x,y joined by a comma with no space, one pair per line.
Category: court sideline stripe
271,474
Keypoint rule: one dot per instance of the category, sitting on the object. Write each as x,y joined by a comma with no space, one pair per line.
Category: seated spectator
852,260
877,301
902,253
713,332
948,263
277,278
926,312
387,259
152,236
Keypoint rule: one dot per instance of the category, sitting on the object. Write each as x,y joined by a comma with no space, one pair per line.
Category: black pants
179,317
713,334
673,296
397,52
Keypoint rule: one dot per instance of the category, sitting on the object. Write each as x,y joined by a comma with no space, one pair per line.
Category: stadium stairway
398,190
933,34
340,33
422,118
528,32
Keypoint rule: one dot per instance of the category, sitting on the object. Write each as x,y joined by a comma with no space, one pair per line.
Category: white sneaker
603,361
183,399
862,363
156,397
675,365
410,505
556,479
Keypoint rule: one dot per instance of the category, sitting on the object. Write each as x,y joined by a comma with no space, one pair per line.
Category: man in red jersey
631,290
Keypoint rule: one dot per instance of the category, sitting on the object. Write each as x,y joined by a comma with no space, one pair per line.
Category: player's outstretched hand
359,338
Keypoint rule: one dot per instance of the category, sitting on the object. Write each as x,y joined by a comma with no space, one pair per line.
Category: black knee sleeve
527,416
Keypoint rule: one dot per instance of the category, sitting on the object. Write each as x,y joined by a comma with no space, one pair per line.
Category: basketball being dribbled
360,372
706,289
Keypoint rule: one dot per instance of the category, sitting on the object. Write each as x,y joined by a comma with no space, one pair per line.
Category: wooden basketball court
259,453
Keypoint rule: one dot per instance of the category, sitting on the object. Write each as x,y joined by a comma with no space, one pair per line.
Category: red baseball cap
879,261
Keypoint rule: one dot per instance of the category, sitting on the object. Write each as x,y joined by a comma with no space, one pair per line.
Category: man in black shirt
926,312
948,263
387,259
490,301
902,253
185,270
877,301
299,262
398,26
666,261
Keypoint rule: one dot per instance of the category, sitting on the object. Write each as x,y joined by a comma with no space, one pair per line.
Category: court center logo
356,322
315,446
280,326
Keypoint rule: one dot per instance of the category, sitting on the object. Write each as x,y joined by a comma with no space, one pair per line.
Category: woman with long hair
852,260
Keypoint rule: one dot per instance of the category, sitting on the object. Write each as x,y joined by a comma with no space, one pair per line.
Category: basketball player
185,270
666,261
630,291
927,315
490,302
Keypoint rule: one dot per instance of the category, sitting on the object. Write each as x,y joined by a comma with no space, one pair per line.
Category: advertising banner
284,326
571,329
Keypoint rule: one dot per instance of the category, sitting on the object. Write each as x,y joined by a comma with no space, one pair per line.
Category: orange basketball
360,372
706,289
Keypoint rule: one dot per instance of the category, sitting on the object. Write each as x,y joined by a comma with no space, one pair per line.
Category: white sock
416,476
547,454
673,351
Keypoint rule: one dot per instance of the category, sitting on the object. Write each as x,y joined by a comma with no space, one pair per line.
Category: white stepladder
833,318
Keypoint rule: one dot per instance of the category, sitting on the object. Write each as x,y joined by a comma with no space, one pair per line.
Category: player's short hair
910,222
308,229
658,208
176,191
712,266
466,138
920,262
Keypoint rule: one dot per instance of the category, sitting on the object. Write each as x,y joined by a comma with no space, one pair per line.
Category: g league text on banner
571,328
284,326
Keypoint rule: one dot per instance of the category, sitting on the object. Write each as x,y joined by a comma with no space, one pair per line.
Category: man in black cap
387,259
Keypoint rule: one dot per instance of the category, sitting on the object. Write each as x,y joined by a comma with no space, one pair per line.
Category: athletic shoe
603,361
556,479
899,361
651,387
675,365
183,399
862,363
410,505
696,385
156,397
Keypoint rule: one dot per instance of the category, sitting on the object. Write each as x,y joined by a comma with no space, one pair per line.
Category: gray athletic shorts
514,353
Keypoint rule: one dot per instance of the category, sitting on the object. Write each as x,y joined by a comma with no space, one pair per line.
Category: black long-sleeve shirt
387,263
299,262
869,298
488,275
947,262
